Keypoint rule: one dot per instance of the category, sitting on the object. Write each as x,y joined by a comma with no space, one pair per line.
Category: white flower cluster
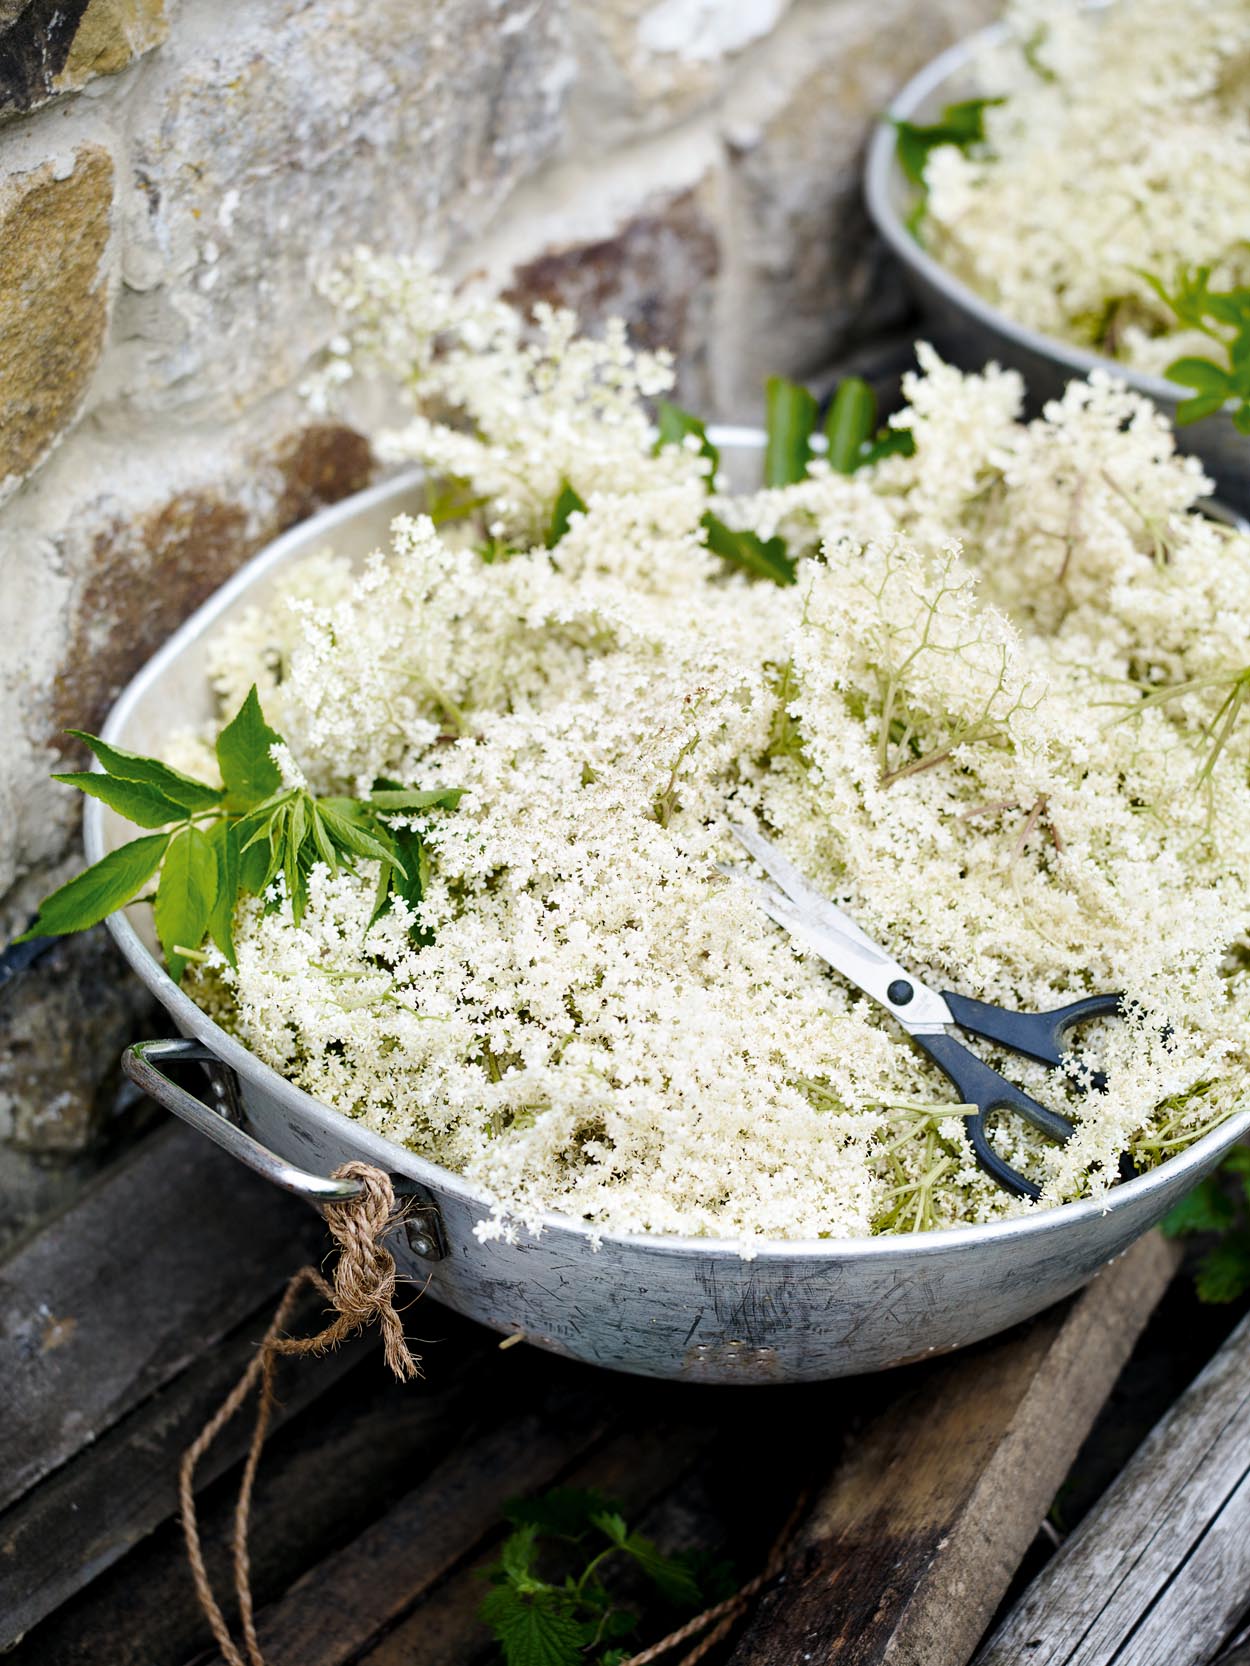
957,722
1121,148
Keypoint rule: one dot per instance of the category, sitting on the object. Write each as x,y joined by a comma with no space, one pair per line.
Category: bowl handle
142,1064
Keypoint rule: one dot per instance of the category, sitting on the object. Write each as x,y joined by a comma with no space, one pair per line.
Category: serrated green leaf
321,838
539,1628
99,890
1223,1274
890,442
850,423
1202,405
567,505
294,867
763,558
562,1512
138,801
517,1553
791,413
249,773
185,896
671,1577
392,799
131,766
1241,419
672,428
348,824
1208,1208
1200,374
224,842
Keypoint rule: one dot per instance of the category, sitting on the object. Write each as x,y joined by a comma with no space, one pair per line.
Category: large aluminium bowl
972,329
661,1306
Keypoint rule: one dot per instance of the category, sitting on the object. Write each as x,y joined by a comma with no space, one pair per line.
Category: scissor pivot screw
900,992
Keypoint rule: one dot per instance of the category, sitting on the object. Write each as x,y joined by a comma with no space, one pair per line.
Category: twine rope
362,1294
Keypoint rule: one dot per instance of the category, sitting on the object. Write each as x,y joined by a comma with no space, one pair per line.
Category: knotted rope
363,1293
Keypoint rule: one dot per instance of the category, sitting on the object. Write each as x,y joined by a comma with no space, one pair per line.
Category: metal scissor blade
833,935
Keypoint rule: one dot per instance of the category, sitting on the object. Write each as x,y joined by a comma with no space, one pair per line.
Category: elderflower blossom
943,722
1121,149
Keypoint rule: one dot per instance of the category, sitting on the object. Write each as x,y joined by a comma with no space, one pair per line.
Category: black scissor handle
976,1084
1034,1035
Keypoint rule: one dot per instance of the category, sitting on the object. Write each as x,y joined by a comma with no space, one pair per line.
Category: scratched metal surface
665,1307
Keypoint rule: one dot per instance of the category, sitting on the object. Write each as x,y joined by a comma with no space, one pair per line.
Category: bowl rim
387,1153
881,170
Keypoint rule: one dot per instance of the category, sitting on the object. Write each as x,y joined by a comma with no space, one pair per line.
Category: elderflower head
1119,152
947,721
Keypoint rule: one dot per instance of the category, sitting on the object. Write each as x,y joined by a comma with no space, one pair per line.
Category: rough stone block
53,46
265,149
54,232
655,271
645,64
807,271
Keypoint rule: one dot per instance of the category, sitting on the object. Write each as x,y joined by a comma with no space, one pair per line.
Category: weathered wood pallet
379,1506
1159,1573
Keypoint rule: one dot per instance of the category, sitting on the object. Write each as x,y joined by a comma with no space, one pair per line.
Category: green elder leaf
567,505
1223,1274
1202,405
791,413
430,798
672,429
249,773
131,766
99,890
223,841
890,442
138,801
850,423
765,558
1201,374
185,896
961,124
534,1628
353,830
183,790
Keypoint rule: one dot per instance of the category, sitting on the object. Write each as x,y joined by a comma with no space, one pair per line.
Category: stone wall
172,175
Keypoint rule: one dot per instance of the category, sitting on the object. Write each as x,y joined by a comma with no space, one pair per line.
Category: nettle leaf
138,801
1208,1208
536,1628
185,896
562,1513
180,789
765,558
1223,1274
517,1553
672,429
567,505
247,769
99,890
790,421
672,1577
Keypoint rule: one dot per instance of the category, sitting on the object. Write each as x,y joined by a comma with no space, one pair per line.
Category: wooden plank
98,1506
152,1266
916,1536
326,1475
341,1605
1159,1572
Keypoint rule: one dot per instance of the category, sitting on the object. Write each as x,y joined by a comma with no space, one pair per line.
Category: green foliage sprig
569,1614
1220,1205
1224,316
961,124
218,844
853,442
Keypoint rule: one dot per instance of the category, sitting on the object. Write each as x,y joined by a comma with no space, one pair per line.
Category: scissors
930,1018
